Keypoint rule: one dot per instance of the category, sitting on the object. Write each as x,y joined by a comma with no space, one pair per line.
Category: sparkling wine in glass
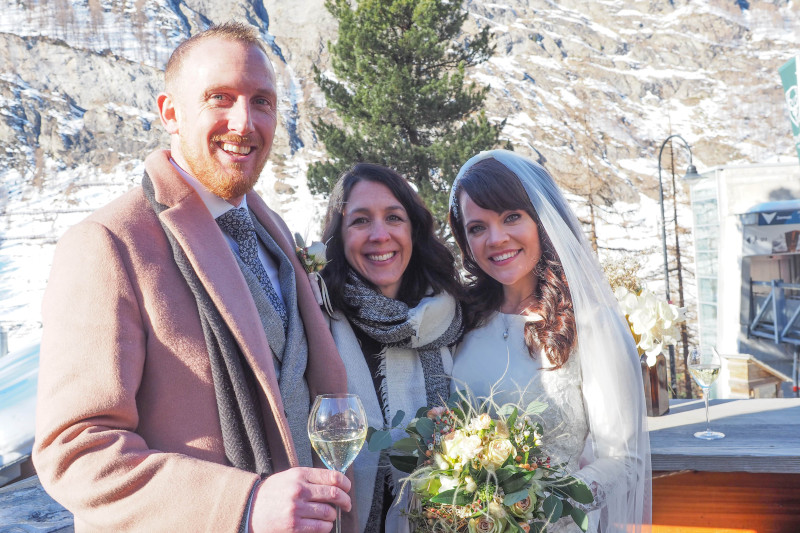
704,364
337,427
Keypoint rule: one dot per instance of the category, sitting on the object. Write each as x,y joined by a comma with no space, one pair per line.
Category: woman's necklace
513,311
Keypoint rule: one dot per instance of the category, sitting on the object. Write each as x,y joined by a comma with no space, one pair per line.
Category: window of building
705,217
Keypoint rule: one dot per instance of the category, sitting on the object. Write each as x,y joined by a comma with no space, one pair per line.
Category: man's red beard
229,181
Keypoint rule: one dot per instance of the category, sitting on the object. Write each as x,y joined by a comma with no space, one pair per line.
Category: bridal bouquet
470,472
653,322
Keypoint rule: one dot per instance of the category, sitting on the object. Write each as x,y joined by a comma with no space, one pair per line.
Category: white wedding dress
488,366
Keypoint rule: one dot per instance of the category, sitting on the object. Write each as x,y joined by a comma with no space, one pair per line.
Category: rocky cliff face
591,88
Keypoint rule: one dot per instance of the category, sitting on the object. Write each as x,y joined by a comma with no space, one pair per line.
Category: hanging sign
776,218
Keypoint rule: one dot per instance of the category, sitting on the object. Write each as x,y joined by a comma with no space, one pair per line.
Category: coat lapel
212,259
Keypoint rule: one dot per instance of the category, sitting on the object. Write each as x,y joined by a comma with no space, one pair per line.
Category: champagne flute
337,427
704,366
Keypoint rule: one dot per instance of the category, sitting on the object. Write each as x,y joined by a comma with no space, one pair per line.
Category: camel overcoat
127,429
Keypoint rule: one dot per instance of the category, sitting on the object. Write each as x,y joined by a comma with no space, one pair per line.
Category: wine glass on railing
337,427
704,364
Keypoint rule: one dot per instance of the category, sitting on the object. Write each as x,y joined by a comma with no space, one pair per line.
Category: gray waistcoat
290,364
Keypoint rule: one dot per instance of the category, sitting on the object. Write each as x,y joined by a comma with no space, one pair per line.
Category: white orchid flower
646,341
652,320
627,300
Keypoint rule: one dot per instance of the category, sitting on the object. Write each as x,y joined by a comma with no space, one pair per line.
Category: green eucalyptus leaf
580,518
503,474
478,475
370,431
299,240
380,441
411,428
506,409
580,492
404,463
561,492
567,510
552,507
538,527
425,428
535,408
446,497
513,418
407,444
422,412
516,482
398,417
514,497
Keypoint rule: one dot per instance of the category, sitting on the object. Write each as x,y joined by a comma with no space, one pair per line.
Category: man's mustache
246,140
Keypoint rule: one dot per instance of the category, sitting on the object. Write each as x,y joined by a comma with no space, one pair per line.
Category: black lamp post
691,173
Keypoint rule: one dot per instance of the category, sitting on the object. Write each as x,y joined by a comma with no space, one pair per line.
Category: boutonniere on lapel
312,257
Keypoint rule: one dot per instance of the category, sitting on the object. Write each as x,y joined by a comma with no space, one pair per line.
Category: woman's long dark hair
491,185
431,268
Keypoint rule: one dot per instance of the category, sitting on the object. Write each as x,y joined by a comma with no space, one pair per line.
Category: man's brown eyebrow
266,91
214,90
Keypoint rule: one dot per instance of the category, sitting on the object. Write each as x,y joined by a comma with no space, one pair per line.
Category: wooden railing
777,317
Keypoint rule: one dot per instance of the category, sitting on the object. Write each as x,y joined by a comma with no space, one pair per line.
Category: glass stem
705,396
338,527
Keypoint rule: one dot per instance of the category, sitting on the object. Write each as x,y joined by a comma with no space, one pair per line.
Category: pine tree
401,95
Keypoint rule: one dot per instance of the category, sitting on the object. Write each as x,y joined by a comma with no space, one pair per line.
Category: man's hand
299,499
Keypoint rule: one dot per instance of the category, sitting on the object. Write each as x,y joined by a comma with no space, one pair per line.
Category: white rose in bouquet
497,452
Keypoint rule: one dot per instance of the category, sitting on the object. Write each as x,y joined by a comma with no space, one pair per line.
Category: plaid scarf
390,323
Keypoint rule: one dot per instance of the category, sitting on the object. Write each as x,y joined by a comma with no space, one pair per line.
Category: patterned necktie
237,224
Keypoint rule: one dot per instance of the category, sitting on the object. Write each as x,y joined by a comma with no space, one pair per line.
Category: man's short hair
231,31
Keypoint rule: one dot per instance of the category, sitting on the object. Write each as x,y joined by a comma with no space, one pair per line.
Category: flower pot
656,395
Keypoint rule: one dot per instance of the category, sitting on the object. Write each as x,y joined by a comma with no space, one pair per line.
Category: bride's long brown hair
491,185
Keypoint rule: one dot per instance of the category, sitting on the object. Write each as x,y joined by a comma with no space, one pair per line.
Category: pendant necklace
505,324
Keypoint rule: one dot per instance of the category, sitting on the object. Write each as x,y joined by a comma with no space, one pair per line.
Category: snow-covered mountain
591,88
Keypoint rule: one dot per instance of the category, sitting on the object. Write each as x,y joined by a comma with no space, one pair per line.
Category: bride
545,326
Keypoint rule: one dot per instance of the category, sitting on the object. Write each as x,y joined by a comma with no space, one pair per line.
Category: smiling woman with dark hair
544,325
395,290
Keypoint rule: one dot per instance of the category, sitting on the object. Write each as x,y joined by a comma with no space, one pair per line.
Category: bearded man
182,341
